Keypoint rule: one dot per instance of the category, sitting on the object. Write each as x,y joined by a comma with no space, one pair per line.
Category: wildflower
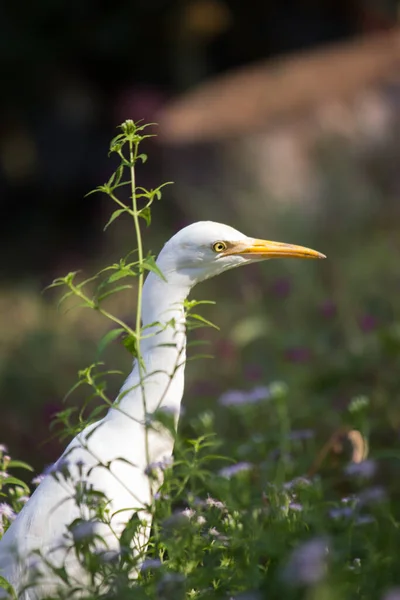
213,531
298,354
188,512
215,503
108,556
6,511
239,397
328,309
261,392
372,495
23,499
307,564
83,531
364,469
228,472
342,512
365,520
201,520
3,449
159,496
297,482
4,475
177,521
282,287
368,323
295,506
163,464
393,594
151,563
37,480
233,398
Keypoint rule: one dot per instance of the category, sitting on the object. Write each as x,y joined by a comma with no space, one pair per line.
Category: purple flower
365,520
282,287
295,506
240,397
307,564
365,469
6,511
262,392
37,480
3,448
161,464
341,512
297,482
233,398
298,354
84,531
372,495
151,563
328,309
393,594
368,323
232,470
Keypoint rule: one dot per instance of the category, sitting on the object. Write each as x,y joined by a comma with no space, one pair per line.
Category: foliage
278,488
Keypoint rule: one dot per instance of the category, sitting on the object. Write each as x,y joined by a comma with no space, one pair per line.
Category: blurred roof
248,99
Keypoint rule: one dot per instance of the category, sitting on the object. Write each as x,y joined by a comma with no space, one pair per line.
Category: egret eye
219,246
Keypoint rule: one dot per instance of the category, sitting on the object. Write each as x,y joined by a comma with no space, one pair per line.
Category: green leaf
130,344
204,321
145,213
121,273
16,481
115,290
114,216
20,464
4,585
109,337
149,263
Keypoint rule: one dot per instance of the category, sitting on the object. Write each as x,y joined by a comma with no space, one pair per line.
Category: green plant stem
133,147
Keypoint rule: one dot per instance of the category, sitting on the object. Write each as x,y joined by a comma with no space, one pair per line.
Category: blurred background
280,119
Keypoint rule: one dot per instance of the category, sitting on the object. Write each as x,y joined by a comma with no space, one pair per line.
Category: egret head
205,249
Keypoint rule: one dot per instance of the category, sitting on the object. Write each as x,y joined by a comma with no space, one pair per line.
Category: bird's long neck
162,347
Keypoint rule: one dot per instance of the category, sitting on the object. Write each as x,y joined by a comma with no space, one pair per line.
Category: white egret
111,455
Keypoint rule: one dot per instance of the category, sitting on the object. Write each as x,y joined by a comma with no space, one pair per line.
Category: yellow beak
267,249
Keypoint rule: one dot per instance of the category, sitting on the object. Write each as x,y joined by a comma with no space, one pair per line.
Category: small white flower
6,511
215,503
37,480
